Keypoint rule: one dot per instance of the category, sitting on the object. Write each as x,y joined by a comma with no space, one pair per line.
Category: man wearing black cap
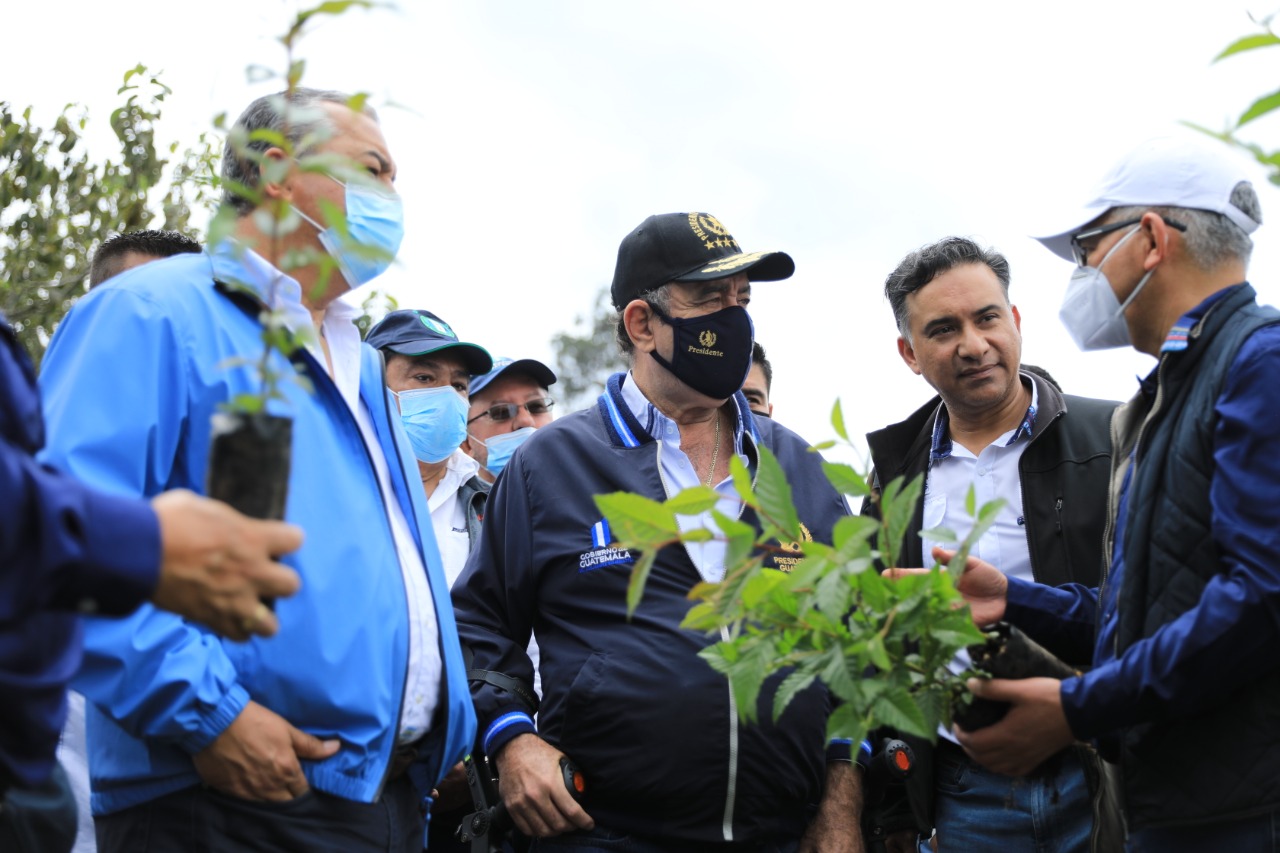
652,727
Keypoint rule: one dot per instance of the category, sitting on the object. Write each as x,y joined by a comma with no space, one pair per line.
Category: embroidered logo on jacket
787,563
602,553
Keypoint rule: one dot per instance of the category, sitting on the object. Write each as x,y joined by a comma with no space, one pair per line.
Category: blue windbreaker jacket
130,381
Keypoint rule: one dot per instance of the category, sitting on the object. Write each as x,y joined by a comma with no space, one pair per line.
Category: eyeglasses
503,412
1081,254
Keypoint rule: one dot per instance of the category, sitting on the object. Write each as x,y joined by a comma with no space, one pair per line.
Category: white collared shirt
678,475
425,667
449,515
993,474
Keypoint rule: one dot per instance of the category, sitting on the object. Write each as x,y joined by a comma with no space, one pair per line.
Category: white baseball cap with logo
1172,171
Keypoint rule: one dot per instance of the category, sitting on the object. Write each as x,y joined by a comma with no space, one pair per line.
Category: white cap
1165,172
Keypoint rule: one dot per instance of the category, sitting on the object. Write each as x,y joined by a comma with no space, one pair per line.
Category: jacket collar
625,430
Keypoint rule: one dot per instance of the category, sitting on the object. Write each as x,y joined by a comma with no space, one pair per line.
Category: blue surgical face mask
375,229
501,447
435,420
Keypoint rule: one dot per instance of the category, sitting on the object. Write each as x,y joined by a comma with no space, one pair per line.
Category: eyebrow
383,163
950,319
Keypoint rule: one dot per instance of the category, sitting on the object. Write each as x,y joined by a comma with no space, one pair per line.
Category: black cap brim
758,266
474,357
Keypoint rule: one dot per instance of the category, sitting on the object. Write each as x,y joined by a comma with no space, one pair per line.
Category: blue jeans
604,840
1259,834
39,820
980,810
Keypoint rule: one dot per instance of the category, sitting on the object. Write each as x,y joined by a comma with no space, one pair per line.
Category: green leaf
846,480
639,577
821,446
693,501
896,708
897,506
775,496
795,683
637,520
845,723
742,481
876,651
740,536
837,420
1259,108
1252,42
944,535
970,501
849,530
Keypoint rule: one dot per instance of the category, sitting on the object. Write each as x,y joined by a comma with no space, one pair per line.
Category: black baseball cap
413,332
670,247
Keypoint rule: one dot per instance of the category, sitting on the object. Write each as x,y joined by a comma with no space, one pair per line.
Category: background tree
587,355
57,203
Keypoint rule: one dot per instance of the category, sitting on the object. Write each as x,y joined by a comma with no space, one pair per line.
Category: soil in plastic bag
1008,653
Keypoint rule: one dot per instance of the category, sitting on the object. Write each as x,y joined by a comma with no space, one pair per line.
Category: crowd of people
445,587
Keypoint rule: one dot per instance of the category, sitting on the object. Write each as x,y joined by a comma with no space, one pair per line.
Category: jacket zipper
386,512
731,792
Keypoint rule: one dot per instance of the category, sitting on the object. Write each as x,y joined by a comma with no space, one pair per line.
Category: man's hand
837,827
256,757
983,586
218,564
532,788
453,792
1034,729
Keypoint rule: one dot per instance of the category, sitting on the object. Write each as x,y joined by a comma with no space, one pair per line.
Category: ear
282,189
908,355
771,410
1017,318
640,322
1153,225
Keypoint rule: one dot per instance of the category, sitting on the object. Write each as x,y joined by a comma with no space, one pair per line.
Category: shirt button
982,472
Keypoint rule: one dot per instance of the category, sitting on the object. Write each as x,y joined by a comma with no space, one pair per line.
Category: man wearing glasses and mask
507,404
652,727
1183,630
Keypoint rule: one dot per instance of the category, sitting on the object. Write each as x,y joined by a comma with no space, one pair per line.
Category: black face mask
712,353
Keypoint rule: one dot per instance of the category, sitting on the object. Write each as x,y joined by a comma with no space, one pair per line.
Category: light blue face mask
435,420
375,229
502,447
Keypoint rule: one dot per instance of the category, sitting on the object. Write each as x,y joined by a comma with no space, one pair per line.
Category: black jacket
651,725
1064,474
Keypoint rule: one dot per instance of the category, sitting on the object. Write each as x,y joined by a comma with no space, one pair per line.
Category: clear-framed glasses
1080,252
502,412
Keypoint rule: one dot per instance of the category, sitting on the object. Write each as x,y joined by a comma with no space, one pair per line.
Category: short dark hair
292,113
155,244
758,357
928,262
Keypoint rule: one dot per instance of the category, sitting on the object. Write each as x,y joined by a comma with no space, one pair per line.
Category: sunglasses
502,412
1081,252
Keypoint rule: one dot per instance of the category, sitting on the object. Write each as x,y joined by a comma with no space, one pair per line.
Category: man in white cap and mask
1183,628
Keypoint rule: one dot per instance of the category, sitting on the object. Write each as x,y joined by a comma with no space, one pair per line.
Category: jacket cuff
840,749
217,721
1074,708
505,728
120,566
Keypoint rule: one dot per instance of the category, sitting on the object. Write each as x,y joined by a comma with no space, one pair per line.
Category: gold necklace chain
715,454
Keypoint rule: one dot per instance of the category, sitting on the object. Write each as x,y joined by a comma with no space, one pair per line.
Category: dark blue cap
413,332
539,372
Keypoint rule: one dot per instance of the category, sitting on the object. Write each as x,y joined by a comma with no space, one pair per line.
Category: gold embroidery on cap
718,236
732,263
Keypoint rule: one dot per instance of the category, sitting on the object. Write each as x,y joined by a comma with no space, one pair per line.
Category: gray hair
928,262
294,114
659,297
1212,239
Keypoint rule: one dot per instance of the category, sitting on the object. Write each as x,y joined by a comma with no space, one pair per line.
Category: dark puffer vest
1173,767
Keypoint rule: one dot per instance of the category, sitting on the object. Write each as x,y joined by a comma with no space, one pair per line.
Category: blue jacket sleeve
1231,634
64,546
493,601
115,391
1063,619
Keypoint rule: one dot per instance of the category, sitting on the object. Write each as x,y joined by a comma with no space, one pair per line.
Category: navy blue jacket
651,725
63,547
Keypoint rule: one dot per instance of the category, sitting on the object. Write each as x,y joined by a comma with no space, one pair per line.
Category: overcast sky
532,136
